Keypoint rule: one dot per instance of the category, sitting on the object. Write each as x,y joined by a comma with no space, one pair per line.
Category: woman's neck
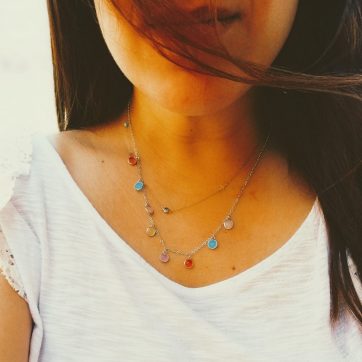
192,148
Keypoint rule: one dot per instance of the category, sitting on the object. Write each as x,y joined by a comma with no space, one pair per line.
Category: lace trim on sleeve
8,268
15,160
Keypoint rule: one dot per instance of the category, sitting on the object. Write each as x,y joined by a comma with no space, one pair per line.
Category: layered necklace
152,230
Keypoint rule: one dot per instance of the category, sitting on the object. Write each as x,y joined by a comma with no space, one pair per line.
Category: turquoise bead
139,185
212,243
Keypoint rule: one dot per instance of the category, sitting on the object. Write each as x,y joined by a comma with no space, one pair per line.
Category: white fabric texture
93,298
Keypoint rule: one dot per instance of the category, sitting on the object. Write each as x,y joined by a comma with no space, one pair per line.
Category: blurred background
26,79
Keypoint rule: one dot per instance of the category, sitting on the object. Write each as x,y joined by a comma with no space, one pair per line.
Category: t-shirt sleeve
19,247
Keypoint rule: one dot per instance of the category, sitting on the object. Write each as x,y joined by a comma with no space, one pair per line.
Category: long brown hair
311,95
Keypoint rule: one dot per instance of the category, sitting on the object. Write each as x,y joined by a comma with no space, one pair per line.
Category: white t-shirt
93,298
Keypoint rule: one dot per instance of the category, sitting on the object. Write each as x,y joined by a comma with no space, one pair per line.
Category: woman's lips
202,13
202,16
224,19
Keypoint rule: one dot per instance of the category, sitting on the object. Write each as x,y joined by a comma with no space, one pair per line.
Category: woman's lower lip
229,19
203,12
224,19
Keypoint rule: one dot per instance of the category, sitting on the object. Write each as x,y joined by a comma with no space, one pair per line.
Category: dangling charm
212,243
151,231
188,263
132,159
165,256
149,209
228,223
139,185
166,210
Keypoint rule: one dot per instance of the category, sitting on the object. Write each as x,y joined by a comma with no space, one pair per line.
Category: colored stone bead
132,160
149,209
164,257
188,263
139,185
166,210
228,223
151,231
212,243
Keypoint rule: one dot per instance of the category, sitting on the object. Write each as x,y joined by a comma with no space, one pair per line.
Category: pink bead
228,224
164,257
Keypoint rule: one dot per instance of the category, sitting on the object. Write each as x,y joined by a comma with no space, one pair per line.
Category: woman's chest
263,220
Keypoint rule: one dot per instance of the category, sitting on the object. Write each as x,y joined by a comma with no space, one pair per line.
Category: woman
203,200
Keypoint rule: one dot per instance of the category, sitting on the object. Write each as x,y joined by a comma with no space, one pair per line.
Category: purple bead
164,257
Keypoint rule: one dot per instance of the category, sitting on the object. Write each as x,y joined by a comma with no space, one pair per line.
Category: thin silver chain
221,188
147,203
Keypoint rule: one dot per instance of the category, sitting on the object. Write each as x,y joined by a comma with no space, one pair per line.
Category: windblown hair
311,95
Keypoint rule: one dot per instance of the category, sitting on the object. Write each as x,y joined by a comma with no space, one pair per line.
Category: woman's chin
193,100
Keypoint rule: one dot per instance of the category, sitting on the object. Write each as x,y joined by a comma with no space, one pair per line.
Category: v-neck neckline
119,242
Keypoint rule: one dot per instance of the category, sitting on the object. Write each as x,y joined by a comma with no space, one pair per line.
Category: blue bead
212,243
139,185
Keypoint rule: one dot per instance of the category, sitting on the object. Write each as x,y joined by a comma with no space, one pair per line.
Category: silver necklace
152,230
167,210
133,159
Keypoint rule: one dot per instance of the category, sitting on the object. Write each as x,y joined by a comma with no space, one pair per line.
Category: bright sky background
26,79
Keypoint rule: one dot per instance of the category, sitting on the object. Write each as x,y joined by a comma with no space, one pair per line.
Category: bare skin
16,325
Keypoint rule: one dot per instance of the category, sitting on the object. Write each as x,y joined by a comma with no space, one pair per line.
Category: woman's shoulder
26,157
77,147
65,141
32,191
100,139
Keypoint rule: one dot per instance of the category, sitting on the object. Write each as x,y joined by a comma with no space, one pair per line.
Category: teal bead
212,243
139,185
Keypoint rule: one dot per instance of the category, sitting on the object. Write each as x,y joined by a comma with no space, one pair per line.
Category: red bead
132,160
188,263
